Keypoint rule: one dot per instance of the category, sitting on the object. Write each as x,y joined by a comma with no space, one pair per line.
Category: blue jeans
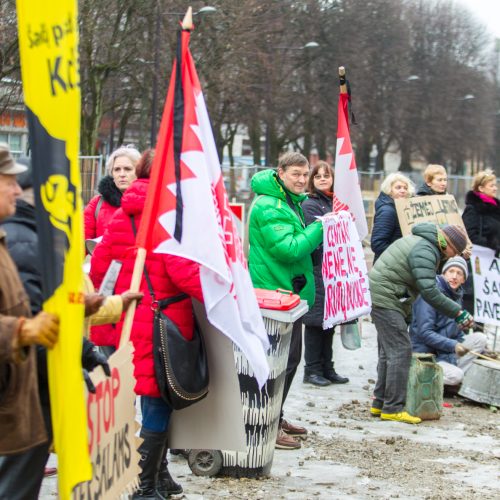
155,414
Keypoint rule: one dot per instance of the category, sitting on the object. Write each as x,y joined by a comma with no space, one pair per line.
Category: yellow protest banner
48,44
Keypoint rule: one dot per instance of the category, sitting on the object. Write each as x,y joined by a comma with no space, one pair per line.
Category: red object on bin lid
280,300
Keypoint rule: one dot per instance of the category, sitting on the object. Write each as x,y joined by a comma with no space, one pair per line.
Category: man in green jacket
406,269
280,253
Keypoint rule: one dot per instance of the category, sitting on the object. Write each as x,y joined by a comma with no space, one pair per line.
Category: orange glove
43,329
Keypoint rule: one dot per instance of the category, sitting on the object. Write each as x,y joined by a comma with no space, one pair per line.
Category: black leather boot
165,485
334,377
151,452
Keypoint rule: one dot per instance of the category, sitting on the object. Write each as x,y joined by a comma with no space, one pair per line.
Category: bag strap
157,304
98,207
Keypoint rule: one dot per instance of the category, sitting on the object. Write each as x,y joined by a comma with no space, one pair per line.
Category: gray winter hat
456,262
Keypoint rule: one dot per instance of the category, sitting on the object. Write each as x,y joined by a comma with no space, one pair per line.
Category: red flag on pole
187,213
346,184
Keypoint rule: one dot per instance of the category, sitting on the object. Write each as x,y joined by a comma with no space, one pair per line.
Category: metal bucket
482,382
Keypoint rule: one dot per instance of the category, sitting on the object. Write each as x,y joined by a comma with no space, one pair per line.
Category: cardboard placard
347,294
112,428
486,274
440,209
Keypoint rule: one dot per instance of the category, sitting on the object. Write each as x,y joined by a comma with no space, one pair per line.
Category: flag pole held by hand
134,287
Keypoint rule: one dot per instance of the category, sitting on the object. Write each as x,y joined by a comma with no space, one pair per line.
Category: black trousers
294,356
21,475
318,351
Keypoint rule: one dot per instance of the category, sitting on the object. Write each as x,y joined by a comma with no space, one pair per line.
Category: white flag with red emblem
346,184
187,213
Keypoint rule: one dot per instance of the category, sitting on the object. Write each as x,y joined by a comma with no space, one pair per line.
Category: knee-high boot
151,453
166,486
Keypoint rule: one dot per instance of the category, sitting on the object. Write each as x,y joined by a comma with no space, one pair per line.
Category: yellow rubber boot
375,412
401,417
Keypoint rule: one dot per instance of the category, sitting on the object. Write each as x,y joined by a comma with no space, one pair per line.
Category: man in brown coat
23,441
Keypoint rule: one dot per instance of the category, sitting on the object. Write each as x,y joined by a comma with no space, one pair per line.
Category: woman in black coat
482,220
482,211
318,351
386,228
435,181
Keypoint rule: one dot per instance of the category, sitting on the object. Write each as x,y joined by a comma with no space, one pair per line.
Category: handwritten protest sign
111,427
486,273
347,295
441,209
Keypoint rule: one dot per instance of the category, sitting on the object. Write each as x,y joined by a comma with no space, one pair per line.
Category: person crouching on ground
408,268
435,333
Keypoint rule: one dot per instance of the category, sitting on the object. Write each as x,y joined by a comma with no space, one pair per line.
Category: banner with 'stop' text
486,273
347,294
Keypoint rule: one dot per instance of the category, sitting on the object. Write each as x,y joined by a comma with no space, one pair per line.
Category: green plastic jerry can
424,396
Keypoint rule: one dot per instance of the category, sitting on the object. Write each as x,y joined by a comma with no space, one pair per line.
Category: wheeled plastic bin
261,407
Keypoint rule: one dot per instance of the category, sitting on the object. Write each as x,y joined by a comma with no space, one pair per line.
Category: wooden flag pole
187,24
343,84
134,287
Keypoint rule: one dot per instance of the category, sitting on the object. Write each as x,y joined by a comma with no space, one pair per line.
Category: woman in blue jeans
169,276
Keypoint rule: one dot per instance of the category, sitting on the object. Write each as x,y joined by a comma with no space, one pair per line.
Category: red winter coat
170,275
96,227
111,199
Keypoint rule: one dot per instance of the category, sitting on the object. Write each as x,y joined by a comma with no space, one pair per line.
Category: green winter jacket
408,268
280,244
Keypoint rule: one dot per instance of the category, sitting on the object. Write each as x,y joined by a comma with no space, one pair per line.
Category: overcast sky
487,11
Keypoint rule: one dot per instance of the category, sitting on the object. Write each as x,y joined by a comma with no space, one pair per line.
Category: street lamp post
269,128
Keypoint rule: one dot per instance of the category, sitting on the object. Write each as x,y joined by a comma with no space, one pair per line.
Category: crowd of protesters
416,286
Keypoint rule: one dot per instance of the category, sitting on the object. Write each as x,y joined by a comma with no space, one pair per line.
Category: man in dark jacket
408,267
435,333
22,243
23,440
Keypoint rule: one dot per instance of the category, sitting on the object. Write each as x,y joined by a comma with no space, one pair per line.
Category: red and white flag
346,188
187,213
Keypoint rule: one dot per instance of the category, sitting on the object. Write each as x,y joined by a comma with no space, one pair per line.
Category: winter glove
90,385
43,329
461,350
464,320
91,358
298,283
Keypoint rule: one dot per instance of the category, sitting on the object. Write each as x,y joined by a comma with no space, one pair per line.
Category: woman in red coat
170,275
120,174
121,167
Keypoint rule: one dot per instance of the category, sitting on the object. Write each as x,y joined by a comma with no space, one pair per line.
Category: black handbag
181,365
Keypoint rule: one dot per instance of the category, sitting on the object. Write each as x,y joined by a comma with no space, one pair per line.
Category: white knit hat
456,262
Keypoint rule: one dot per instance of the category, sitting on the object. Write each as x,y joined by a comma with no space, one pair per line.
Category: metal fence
91,170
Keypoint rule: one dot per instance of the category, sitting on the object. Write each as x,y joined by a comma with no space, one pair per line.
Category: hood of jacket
426,230
110,193
383,199
268,183
134,197
444,286
471,198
